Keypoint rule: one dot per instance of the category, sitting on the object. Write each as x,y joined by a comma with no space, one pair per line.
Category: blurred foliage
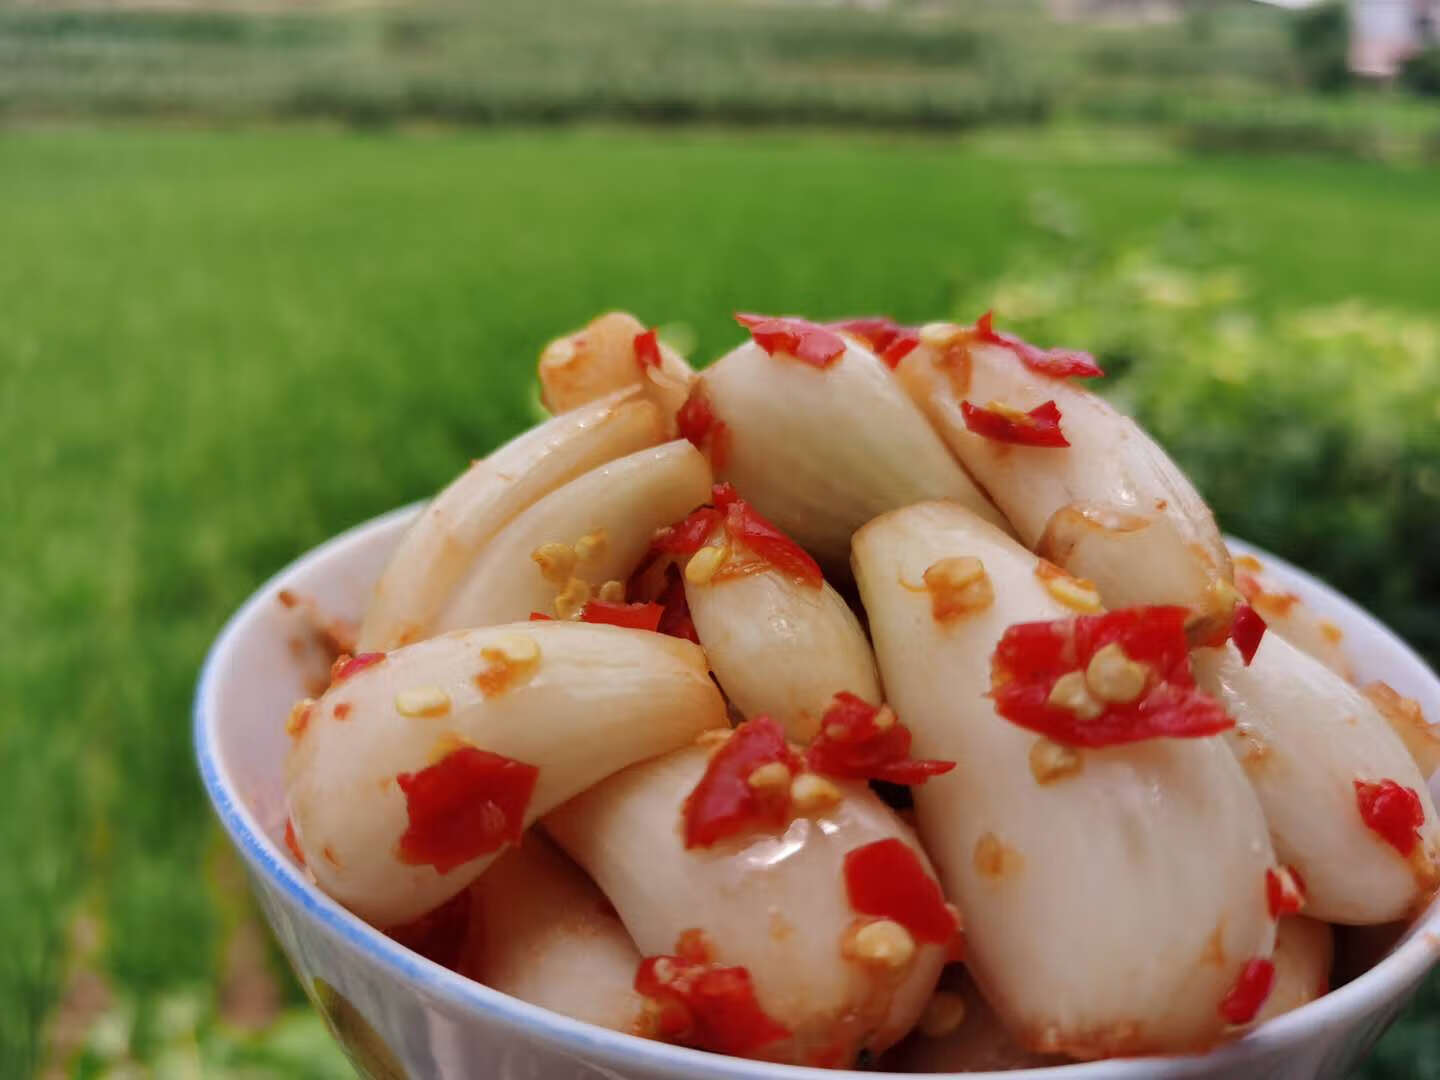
1230,75
1421,72
1321,35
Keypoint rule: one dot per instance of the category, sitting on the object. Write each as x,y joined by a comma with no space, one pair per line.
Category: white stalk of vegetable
773,902
614,352
540,931
822,450
438,549
779,643
1304,953
1306,739
416,768
562,550
1114,896
1112,485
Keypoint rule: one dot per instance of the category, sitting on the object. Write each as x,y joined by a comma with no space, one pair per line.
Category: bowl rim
1409,961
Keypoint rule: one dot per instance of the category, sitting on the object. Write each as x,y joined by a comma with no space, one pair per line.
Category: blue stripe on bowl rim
1343,1007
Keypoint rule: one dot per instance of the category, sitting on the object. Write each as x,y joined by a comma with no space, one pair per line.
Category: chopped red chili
852,745
345,666
292,842
540,616
1038,427
706,1006
1243,1001
1247,631
438,935
688,536
469,803
1057,363
746,526
633,616
800,338
1032,657
696,422
647,350
723,802
886,338
1392,811
1284,892
886,879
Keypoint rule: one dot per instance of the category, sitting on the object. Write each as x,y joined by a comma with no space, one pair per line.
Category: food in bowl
793,708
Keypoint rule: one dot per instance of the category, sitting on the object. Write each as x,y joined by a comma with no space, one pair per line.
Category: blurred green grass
219,349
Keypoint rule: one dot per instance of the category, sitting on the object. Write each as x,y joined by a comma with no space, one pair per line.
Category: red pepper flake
696,422
292,843
886,879
540,616
688,536
1241,1004
469,803
746,526
1032,657
724,802
287,598
632,616
800,338
1247,631
438,935
1057,363
1392,811
1038,427
851,744
345,666
706,1006
1284,891
342,711
886,338
647,350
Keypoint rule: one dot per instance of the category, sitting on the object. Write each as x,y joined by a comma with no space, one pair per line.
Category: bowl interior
264,661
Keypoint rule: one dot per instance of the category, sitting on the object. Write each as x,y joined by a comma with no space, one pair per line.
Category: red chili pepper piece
706,1006
1252,987
886,338
1392,811
1057,363
540,616
1247,631
723,802
696,422
1032,657
695,418
292,843
851,745
746,526
633,616
1284,892
887,880
346,666
438,935
647,350
688,536
1038,427
469,803
675,619
800,338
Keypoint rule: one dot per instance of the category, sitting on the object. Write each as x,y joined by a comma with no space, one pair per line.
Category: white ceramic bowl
399,1015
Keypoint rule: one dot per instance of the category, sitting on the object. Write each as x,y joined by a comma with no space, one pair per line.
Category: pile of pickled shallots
877,690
